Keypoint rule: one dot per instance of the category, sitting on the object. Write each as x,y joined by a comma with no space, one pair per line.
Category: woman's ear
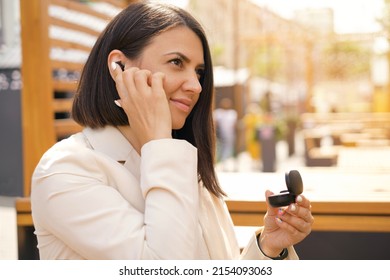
118,57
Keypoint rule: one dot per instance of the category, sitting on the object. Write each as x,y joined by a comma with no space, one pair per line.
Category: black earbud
120,65
294,188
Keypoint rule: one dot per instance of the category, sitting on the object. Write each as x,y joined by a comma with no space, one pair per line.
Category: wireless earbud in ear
120,65
294,188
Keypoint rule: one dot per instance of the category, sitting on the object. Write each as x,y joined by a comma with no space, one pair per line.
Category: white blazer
94,197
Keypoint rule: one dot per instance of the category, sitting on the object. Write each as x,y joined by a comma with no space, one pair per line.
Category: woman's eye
200,73
177,61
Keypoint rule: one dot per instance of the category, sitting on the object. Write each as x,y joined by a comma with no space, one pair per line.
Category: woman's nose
192,84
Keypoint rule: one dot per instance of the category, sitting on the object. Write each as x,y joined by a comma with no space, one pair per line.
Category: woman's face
178,53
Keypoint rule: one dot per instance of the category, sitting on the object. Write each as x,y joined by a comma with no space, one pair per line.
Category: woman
138,182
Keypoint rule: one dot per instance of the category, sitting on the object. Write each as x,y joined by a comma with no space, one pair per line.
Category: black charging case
294,188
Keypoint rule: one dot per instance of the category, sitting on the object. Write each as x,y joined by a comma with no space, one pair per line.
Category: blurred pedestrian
253,119
225,118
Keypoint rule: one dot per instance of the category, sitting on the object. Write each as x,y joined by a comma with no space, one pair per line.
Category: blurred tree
217,52
346,60
267,62
385,18
385,22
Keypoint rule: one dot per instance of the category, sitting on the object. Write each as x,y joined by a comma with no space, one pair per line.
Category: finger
128,81
141,83
118,79
303,201
296,222
270,209
298,230
116,71
157,82
300,212
268,193
294,225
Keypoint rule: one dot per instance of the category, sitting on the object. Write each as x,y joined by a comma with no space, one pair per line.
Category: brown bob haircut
130,32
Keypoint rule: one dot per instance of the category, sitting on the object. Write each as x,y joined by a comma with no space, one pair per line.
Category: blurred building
276,51
300,60
319,20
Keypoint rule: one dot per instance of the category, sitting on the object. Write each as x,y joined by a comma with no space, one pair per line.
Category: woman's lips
182,104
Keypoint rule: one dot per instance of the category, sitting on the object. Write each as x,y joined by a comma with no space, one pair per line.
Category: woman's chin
177,125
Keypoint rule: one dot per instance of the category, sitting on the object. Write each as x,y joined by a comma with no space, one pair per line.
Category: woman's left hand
284,227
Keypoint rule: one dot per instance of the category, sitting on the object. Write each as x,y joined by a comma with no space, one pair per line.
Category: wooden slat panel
56,64
75,6
325,222
329,216
62,105
37,116
23,210
68,45
23,204
355,208
64,86
352,223
117,3
24,219
73,26
66,127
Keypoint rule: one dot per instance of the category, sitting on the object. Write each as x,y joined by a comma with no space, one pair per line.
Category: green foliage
216,53
267,61
384,20
346,60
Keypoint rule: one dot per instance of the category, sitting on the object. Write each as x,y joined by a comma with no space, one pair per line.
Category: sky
351,16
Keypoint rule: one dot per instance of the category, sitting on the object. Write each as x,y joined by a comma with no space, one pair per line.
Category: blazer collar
110,141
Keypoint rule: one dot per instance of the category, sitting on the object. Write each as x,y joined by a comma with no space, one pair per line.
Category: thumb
271,210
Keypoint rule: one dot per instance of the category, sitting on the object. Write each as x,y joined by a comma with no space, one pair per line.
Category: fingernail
113,66
279,220
281,211
293,207
299,198
117,103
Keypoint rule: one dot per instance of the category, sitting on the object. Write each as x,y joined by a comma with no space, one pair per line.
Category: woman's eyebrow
182,56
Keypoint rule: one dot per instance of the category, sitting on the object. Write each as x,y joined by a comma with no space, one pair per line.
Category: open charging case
294,188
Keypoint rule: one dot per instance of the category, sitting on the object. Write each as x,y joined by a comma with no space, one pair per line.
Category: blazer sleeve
253,252
72,199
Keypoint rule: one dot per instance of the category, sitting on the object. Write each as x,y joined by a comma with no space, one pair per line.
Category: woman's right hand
144,101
